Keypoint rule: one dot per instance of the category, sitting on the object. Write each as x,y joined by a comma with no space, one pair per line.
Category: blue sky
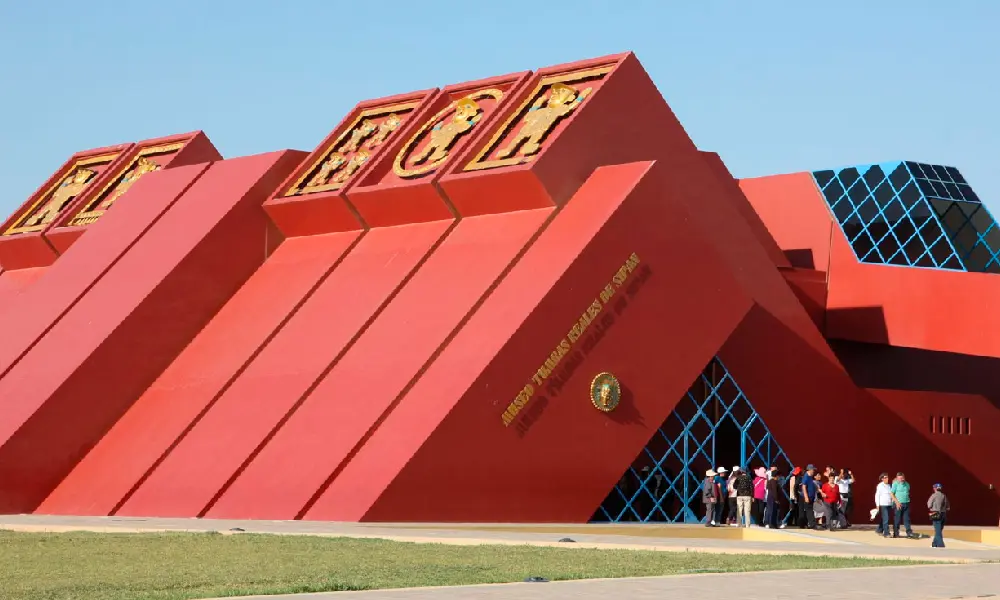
773,86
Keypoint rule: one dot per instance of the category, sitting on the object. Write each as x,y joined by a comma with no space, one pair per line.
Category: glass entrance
713,425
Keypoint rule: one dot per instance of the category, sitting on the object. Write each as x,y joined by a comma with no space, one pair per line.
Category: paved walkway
895,583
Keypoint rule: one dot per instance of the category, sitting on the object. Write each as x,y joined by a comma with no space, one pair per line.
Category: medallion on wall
605,392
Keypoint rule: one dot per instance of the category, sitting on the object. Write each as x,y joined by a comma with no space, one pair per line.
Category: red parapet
401,187
313,200
22,244
564,122
140,159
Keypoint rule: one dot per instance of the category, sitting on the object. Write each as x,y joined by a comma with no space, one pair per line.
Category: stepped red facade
405,324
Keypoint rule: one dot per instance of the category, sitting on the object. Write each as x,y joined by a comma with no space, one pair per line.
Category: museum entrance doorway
713,425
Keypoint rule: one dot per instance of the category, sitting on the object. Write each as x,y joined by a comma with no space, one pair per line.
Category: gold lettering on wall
566,344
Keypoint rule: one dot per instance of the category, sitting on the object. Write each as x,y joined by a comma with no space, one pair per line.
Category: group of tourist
816,500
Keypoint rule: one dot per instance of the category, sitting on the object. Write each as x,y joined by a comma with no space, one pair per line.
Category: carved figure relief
351,167
443,135
522,135
542,117
442,132
47,206
391,123
70,188
142,164
350,151
359,135
140,168
331,164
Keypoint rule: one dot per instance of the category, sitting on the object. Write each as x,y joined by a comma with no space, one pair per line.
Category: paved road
893,583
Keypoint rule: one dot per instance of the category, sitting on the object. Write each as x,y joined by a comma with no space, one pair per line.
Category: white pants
743,504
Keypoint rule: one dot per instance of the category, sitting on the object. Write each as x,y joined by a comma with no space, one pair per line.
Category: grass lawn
100,566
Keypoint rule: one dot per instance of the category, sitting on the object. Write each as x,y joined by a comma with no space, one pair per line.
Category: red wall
80,377
568,454
199,375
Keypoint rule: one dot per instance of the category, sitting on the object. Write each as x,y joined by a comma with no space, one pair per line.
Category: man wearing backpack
743,486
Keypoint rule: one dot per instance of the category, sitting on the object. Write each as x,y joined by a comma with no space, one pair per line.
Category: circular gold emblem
605,392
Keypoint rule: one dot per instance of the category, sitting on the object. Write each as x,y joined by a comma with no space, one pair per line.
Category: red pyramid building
524,298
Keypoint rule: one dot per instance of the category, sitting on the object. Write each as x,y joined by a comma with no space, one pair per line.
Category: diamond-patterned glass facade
714,424
912,214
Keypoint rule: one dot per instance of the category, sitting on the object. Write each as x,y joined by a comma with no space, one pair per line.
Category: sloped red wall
199,375
71,387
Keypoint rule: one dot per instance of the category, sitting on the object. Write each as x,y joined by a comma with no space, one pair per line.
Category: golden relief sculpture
358,136
142,164
542,117
351,167
444,133
350,150
391,123
331,164
46,209
70,188
554,98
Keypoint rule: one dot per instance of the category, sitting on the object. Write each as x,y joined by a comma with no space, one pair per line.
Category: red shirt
831,493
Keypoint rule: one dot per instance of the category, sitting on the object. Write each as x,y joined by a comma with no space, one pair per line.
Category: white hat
721,470
736,469
710,473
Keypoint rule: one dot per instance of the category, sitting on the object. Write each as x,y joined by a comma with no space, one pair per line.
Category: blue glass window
912,214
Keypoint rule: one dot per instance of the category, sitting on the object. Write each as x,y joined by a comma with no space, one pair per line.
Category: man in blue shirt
809,490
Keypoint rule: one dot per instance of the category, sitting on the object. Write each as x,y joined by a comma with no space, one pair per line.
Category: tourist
710,497
759,494
723,492
831,498
809,490
771,498
743,486
794,496
733,518
937,508
845,481
819,507
901,499
883,500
